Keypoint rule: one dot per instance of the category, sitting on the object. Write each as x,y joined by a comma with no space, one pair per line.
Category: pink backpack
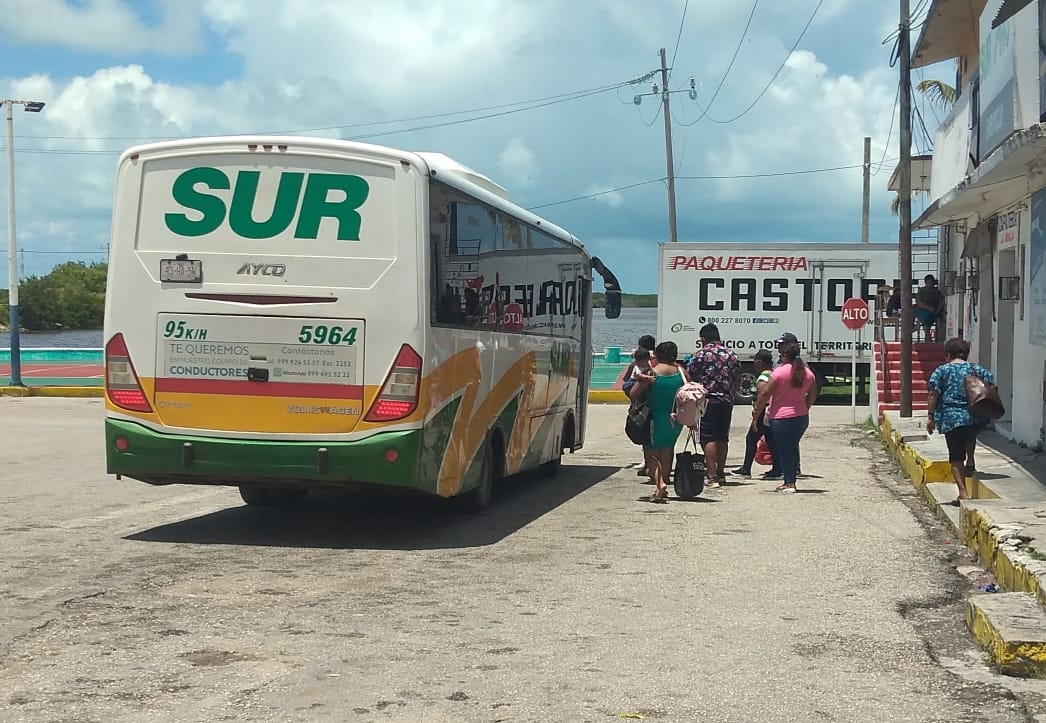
690,404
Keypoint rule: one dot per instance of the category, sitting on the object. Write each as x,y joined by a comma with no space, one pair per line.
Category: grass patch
1035,554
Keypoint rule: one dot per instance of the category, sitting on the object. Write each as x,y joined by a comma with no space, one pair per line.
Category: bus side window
474,315
450,308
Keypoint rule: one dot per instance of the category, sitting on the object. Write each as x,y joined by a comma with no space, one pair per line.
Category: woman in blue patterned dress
950,414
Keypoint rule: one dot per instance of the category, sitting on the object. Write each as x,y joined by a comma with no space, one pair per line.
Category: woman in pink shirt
788,397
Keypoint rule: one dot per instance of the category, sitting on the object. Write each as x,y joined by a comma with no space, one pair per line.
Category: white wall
1029,358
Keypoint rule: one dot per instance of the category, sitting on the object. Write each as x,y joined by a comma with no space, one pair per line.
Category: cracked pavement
570,600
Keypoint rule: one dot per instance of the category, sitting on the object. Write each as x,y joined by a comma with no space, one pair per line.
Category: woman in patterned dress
949,413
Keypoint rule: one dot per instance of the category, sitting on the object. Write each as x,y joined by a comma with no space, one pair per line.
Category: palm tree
939,93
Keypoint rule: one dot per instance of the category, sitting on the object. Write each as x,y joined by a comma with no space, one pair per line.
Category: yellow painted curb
1023,658
607,396
927,493
922,471
71,392
1011,575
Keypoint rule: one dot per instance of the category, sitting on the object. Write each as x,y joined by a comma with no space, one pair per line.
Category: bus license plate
181,271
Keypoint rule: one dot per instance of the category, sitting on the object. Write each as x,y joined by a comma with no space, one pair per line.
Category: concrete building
988,194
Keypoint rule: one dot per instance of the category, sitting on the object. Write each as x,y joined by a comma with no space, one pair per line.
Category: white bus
284,313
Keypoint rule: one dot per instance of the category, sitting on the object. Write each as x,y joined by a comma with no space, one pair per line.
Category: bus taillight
398,397
121,381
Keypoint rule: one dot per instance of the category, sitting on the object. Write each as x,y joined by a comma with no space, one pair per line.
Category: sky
537,95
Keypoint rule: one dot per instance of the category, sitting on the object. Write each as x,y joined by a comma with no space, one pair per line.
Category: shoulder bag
983,398
638,421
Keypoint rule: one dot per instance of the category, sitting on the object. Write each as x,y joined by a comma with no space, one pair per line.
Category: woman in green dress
661,384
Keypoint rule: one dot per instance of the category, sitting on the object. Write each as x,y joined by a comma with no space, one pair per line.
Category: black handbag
638,422
689,477
983,398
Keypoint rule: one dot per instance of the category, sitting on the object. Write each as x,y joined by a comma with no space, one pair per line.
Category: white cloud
818,121
518,163
108,26
326,65
400,53
607,195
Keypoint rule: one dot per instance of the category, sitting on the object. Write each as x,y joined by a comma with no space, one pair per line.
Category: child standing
641,364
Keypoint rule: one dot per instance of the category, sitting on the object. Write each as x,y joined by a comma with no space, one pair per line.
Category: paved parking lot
570,600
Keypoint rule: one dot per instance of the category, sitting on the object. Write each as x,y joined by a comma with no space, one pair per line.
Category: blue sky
119,72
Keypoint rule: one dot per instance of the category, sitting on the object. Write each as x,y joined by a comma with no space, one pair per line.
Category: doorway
1007,311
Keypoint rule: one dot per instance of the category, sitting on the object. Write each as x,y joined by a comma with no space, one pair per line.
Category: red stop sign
855,313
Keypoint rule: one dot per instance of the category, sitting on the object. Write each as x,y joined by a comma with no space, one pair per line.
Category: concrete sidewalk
1004,524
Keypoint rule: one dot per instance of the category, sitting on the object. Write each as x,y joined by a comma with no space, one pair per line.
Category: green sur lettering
315,204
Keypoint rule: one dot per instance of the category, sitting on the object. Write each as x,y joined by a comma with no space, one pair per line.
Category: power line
49,151
729,67
779,69
922,125
771,174
562,98
597,193
679,35
67,253
889,134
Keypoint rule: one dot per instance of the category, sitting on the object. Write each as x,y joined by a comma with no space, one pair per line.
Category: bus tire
478,499
552,467
255,496
262,496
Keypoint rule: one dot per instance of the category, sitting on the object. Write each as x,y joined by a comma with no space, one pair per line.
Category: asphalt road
570,600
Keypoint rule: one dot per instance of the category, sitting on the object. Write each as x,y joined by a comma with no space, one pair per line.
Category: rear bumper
159,458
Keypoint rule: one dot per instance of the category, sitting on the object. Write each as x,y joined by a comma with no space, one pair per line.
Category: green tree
72,296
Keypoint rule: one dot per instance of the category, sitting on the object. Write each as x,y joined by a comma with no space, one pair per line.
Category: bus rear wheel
552,467
262,496
478,499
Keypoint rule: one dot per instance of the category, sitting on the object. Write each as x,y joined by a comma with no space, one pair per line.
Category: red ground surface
45,369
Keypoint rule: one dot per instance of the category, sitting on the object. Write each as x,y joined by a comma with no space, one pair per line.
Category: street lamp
31,106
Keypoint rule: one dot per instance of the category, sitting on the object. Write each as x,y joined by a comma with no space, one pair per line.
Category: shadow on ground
339,520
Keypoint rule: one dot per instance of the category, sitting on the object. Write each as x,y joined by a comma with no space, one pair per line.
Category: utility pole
664,93
866,198
668,152
31,106
12,254
905,234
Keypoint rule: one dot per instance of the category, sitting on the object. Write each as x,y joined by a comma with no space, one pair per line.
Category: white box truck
754,292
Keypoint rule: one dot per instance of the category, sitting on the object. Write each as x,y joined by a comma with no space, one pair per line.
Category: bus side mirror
611,287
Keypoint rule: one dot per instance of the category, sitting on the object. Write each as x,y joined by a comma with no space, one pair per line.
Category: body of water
82,339
623,332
